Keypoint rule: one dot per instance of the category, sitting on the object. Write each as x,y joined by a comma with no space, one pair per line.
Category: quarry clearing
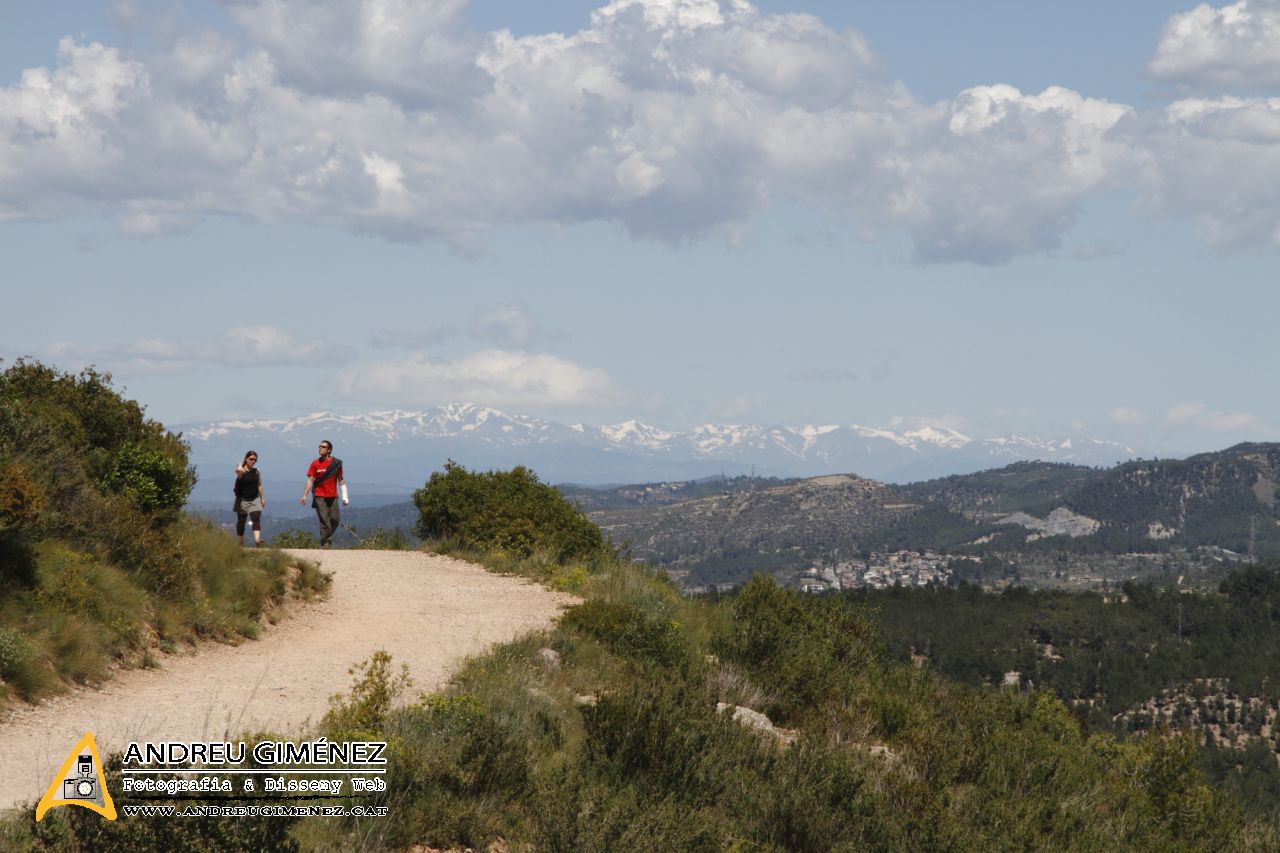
429,612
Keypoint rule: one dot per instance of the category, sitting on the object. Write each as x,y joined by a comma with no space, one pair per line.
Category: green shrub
664,734
310,582
509,511
77,649
815,797
573,811
381,539
455,775
20,667
373,692
801,650
294,538
486,758
80,585
629,631
76,430
154,481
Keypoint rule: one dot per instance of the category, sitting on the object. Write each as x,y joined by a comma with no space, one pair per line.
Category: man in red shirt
324,476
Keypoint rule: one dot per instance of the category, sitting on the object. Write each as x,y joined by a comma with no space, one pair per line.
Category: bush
664,733
154,481
381,539
508,511
20,666
22,499
373,692
80,585
629,631
294,538
799,649
84,465
76,430
454,774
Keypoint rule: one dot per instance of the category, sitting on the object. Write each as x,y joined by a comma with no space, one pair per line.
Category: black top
247,484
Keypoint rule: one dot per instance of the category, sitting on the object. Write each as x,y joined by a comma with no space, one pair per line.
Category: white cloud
1217,160
58,129
1201,416
1007,175
677,119
1235,46
419,53
493,377
239,347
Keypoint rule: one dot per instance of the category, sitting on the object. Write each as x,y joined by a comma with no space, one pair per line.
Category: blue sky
994,216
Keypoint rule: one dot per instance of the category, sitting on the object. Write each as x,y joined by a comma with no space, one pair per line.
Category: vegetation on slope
616,742
623,728
1129,663
97,562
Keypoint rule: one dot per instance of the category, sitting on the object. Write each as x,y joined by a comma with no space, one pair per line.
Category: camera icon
85,787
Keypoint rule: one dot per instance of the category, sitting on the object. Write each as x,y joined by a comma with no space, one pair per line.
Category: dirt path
429,612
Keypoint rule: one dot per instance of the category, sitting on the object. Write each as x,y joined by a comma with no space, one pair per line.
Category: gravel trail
429,612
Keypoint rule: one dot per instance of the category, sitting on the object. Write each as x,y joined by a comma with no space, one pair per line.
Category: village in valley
879,571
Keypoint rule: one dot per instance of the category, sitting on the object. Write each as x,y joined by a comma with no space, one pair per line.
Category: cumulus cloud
1007,175
1201,416
677,119
241,347
1218,161
1227,46
417,53
494,377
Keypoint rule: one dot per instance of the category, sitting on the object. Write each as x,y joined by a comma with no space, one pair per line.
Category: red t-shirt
329,488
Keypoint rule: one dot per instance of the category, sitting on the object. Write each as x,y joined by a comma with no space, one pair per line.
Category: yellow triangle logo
79,782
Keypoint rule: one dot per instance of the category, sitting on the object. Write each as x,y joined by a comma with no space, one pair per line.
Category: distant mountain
1205,512
778,526
1226,499
391,453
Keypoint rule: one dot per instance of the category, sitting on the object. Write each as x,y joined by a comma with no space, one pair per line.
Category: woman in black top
250,499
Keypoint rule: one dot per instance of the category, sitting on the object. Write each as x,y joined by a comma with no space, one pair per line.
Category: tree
511,511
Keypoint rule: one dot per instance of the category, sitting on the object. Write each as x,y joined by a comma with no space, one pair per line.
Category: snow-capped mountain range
396,451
